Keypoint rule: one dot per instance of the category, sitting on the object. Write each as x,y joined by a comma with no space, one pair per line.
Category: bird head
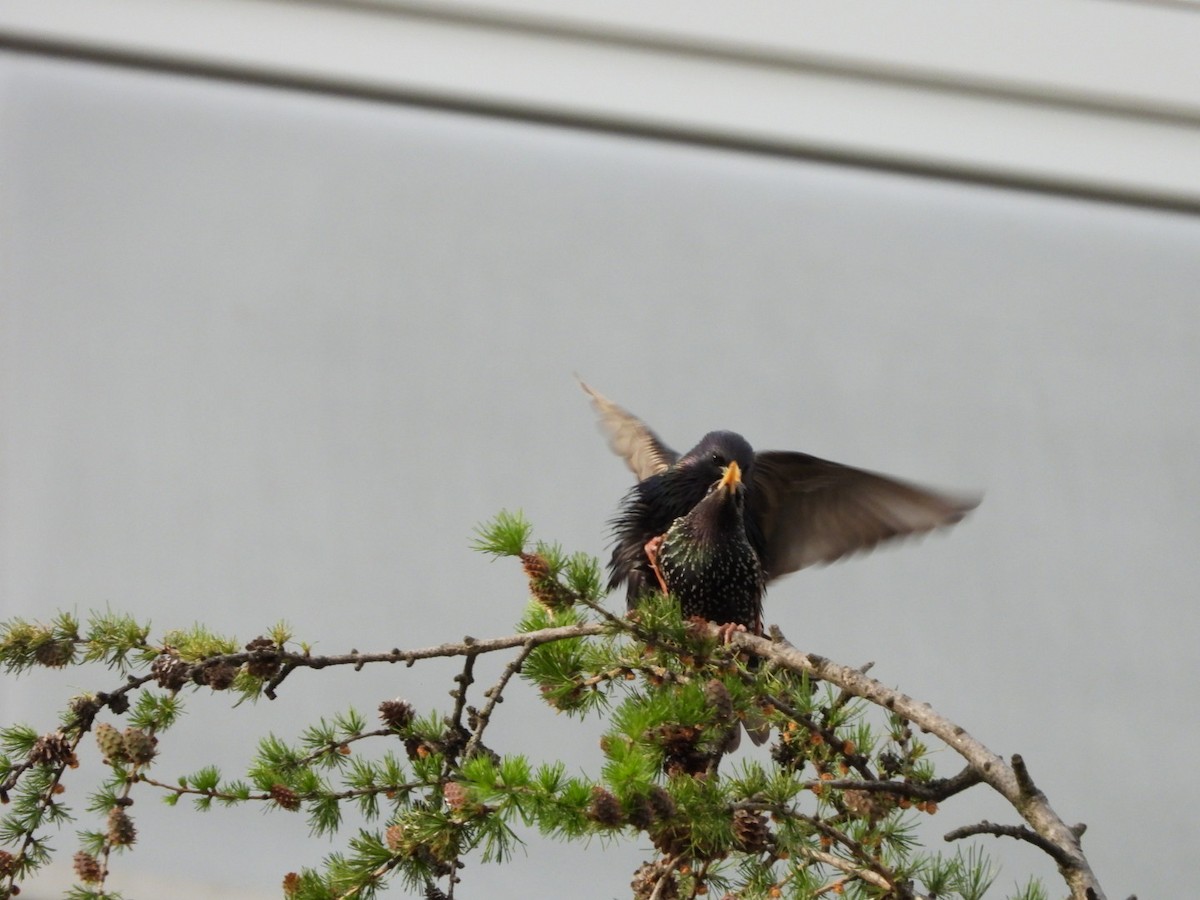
709,459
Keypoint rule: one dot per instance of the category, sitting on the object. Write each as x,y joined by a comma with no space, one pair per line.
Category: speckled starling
706,559
797,510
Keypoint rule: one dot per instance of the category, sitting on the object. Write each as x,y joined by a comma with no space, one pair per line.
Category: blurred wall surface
273,355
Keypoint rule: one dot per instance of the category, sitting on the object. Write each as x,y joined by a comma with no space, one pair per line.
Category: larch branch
1011,781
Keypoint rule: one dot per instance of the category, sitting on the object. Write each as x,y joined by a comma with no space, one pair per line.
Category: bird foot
651,549
725,632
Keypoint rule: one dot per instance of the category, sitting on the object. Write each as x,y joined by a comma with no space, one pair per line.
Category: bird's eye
718,459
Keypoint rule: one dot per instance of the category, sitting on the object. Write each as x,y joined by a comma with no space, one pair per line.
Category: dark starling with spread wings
798,510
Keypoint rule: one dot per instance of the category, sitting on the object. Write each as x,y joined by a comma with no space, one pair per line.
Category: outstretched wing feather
812,511
631,438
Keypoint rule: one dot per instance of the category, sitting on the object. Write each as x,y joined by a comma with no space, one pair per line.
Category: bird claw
651,550
725,632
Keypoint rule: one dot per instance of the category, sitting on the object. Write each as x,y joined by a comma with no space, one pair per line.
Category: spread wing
814,511
630,438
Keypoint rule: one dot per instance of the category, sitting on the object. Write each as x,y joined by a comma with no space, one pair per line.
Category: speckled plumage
708,563
659,501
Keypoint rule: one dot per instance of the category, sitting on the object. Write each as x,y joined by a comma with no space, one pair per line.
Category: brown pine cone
545,588
646,880
285,797
51,750
87,868
662,803
219,676
396,713
750,830
604,808
121,832
55,654
170,671
264,658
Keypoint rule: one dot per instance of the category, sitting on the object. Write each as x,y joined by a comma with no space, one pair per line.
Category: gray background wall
271,355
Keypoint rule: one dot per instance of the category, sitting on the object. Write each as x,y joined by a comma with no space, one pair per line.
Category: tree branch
1020,832
495,694
1043,828
844,865
1015,786
937,790
468,647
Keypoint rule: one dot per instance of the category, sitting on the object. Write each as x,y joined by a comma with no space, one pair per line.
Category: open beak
731,476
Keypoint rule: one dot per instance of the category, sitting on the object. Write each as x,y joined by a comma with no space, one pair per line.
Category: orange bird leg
651,549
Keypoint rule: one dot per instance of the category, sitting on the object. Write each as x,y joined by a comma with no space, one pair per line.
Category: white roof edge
1072,108
1082,50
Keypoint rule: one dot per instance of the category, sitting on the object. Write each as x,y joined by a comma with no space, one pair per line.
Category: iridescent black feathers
790,510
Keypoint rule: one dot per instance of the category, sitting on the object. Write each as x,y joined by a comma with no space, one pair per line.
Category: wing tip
961,505
601,404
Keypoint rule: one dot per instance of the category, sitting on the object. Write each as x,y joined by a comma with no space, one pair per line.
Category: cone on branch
648,878
285,797
750,831
396,840
264,658
87,868
671,839
139,746
170,671
111,744
870,805
83,709
218,675
639,812
121,831
55,654
604,808
51,750
681,750
396,713
456,796
545,588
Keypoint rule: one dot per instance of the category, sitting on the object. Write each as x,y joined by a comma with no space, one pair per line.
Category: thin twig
464,680
214,794
495,695
335,746
371,879
846,866
860,852
1020,832
936,790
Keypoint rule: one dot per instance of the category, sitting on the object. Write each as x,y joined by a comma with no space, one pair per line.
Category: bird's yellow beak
731,475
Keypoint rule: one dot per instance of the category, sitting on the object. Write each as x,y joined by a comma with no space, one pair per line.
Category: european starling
706,559
796,510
